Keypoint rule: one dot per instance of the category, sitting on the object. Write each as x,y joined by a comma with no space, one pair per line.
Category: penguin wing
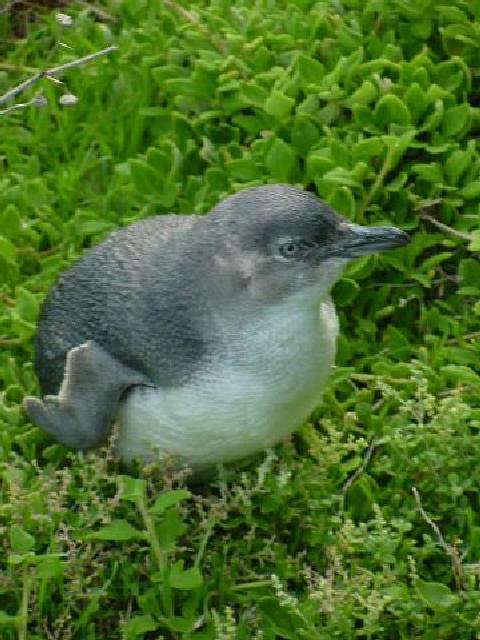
102,298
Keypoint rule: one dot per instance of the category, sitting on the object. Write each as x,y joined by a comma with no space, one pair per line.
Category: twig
54,71
467,336
5,343
378,180
12,93
443,227
37,100
101,13
450,550
75,63
191,17
361,468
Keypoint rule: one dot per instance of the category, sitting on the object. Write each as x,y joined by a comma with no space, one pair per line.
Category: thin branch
75,63
51,73
37,100
6,343
451,551
361,468
191,17
378,180
101,13
467,336
20,88
443,227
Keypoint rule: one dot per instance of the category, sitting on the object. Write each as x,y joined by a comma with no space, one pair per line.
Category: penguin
204,338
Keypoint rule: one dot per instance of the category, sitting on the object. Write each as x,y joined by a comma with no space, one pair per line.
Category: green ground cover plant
366,525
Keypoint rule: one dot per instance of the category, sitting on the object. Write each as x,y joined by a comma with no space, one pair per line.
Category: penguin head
276,240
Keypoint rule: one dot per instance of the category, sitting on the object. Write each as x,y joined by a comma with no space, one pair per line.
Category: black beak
359,241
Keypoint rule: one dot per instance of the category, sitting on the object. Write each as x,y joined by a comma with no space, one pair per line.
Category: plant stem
23,613
54,71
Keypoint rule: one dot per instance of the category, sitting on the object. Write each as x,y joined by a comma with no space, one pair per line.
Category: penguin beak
359,241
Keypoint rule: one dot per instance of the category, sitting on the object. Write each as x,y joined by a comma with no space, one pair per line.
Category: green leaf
475,241
279,105
304,133
169,499
179,87
311,71
280,160
319,162
170,528
455,120
176,623
20,540
364,95
416,101
397,343
430,172
50,566
367,149
159,161
254,94
26,305
244,169
471,190
185,579
345,291
167,194
463,374
456,164
7,249
390,109
469,272
435,594
139,625
10,222
117,530
343,201
341,176
143,176
131,488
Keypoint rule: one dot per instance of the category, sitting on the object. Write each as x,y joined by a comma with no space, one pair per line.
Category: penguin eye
294,249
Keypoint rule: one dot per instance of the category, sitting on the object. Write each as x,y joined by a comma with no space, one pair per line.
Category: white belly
257,393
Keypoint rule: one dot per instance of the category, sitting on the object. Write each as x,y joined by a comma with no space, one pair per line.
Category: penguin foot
81,414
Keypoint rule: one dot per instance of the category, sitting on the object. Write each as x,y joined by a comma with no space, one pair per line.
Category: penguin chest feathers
247,397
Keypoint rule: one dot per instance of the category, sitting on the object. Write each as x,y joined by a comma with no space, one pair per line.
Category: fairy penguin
206,338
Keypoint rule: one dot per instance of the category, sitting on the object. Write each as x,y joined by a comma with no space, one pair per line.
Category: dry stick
457,568
51,73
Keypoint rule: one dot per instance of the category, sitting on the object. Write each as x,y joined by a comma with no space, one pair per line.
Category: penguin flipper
81,414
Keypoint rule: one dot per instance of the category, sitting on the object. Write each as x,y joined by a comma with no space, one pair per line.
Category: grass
366,523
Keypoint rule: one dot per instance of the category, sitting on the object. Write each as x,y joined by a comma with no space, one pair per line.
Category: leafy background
366,524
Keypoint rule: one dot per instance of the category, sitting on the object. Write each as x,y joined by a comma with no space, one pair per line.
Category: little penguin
206,338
